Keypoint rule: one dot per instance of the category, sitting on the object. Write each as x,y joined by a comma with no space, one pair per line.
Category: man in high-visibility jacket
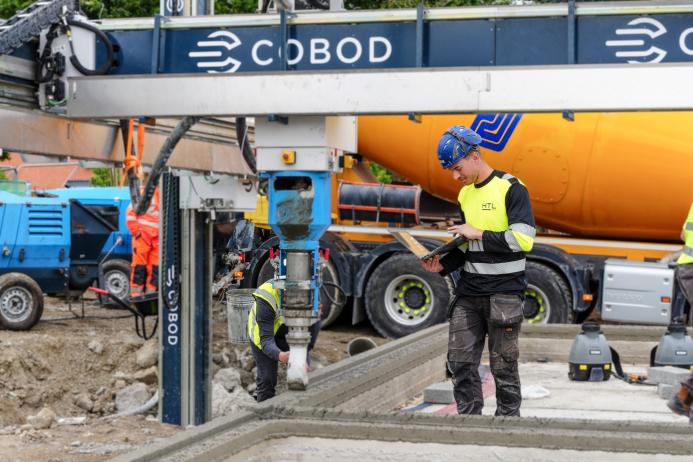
499,226
144,269
681,402
267,334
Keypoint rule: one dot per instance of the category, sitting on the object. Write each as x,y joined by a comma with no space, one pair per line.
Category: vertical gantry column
189,206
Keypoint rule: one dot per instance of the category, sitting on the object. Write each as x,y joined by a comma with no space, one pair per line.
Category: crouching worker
267,334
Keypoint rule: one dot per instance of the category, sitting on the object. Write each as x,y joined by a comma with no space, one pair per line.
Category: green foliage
381,173
235,6
394,4
96,9
2,175
9,7
102,177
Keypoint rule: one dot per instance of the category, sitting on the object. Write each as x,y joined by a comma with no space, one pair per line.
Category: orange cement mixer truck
610,192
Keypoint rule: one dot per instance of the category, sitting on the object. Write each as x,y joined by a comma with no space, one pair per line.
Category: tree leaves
96,9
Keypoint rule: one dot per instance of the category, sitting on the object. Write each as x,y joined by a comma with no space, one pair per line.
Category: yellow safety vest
484,208
686,257
272,296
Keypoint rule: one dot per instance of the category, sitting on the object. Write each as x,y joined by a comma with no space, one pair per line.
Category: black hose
174,137
339,289
71,318
45,55
246,150
110,52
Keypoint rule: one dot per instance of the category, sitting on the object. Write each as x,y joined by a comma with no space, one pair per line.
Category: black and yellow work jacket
495,264
686,257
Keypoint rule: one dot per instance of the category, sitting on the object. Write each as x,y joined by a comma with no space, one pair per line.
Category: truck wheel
114,276
402,297
548,297
330,311
21,301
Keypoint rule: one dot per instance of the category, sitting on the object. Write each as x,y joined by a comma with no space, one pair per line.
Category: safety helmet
456,144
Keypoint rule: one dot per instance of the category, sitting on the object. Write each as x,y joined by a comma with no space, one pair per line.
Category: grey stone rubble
95,346
44,419
72,420
148,354
132,396
229,378
83,401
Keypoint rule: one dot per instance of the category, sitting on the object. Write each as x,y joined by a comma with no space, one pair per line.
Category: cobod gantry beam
615,87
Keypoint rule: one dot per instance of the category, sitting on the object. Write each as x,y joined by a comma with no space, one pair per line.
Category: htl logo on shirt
488,206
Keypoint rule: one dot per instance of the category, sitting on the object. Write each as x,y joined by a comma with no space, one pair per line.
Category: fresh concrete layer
341,400
454,430
296,449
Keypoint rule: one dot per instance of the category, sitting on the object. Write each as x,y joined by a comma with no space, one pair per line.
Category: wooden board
410,243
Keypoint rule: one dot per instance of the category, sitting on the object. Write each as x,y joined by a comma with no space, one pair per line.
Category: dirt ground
75,367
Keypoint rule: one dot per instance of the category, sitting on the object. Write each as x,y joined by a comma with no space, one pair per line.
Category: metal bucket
238,305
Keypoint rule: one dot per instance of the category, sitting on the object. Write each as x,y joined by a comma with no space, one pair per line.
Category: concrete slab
611,400
668,375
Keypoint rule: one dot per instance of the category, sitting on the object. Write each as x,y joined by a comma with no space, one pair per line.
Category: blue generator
49,245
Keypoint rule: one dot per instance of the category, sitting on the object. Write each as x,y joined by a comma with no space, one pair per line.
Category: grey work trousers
684,280
469,326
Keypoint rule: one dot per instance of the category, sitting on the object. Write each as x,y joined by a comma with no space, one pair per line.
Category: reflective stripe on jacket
686,257
272,296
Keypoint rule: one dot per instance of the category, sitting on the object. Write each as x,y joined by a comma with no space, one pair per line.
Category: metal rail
612,87
210,148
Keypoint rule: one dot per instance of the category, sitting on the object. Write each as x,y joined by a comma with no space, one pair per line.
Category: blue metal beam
511,41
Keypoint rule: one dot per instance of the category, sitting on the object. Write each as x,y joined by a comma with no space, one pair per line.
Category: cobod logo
215,55
636,34
222,42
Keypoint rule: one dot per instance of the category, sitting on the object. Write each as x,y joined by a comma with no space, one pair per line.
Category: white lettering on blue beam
317,51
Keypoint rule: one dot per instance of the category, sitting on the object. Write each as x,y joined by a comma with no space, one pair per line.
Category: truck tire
114,276
548,298
330,311
21,301
402,297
